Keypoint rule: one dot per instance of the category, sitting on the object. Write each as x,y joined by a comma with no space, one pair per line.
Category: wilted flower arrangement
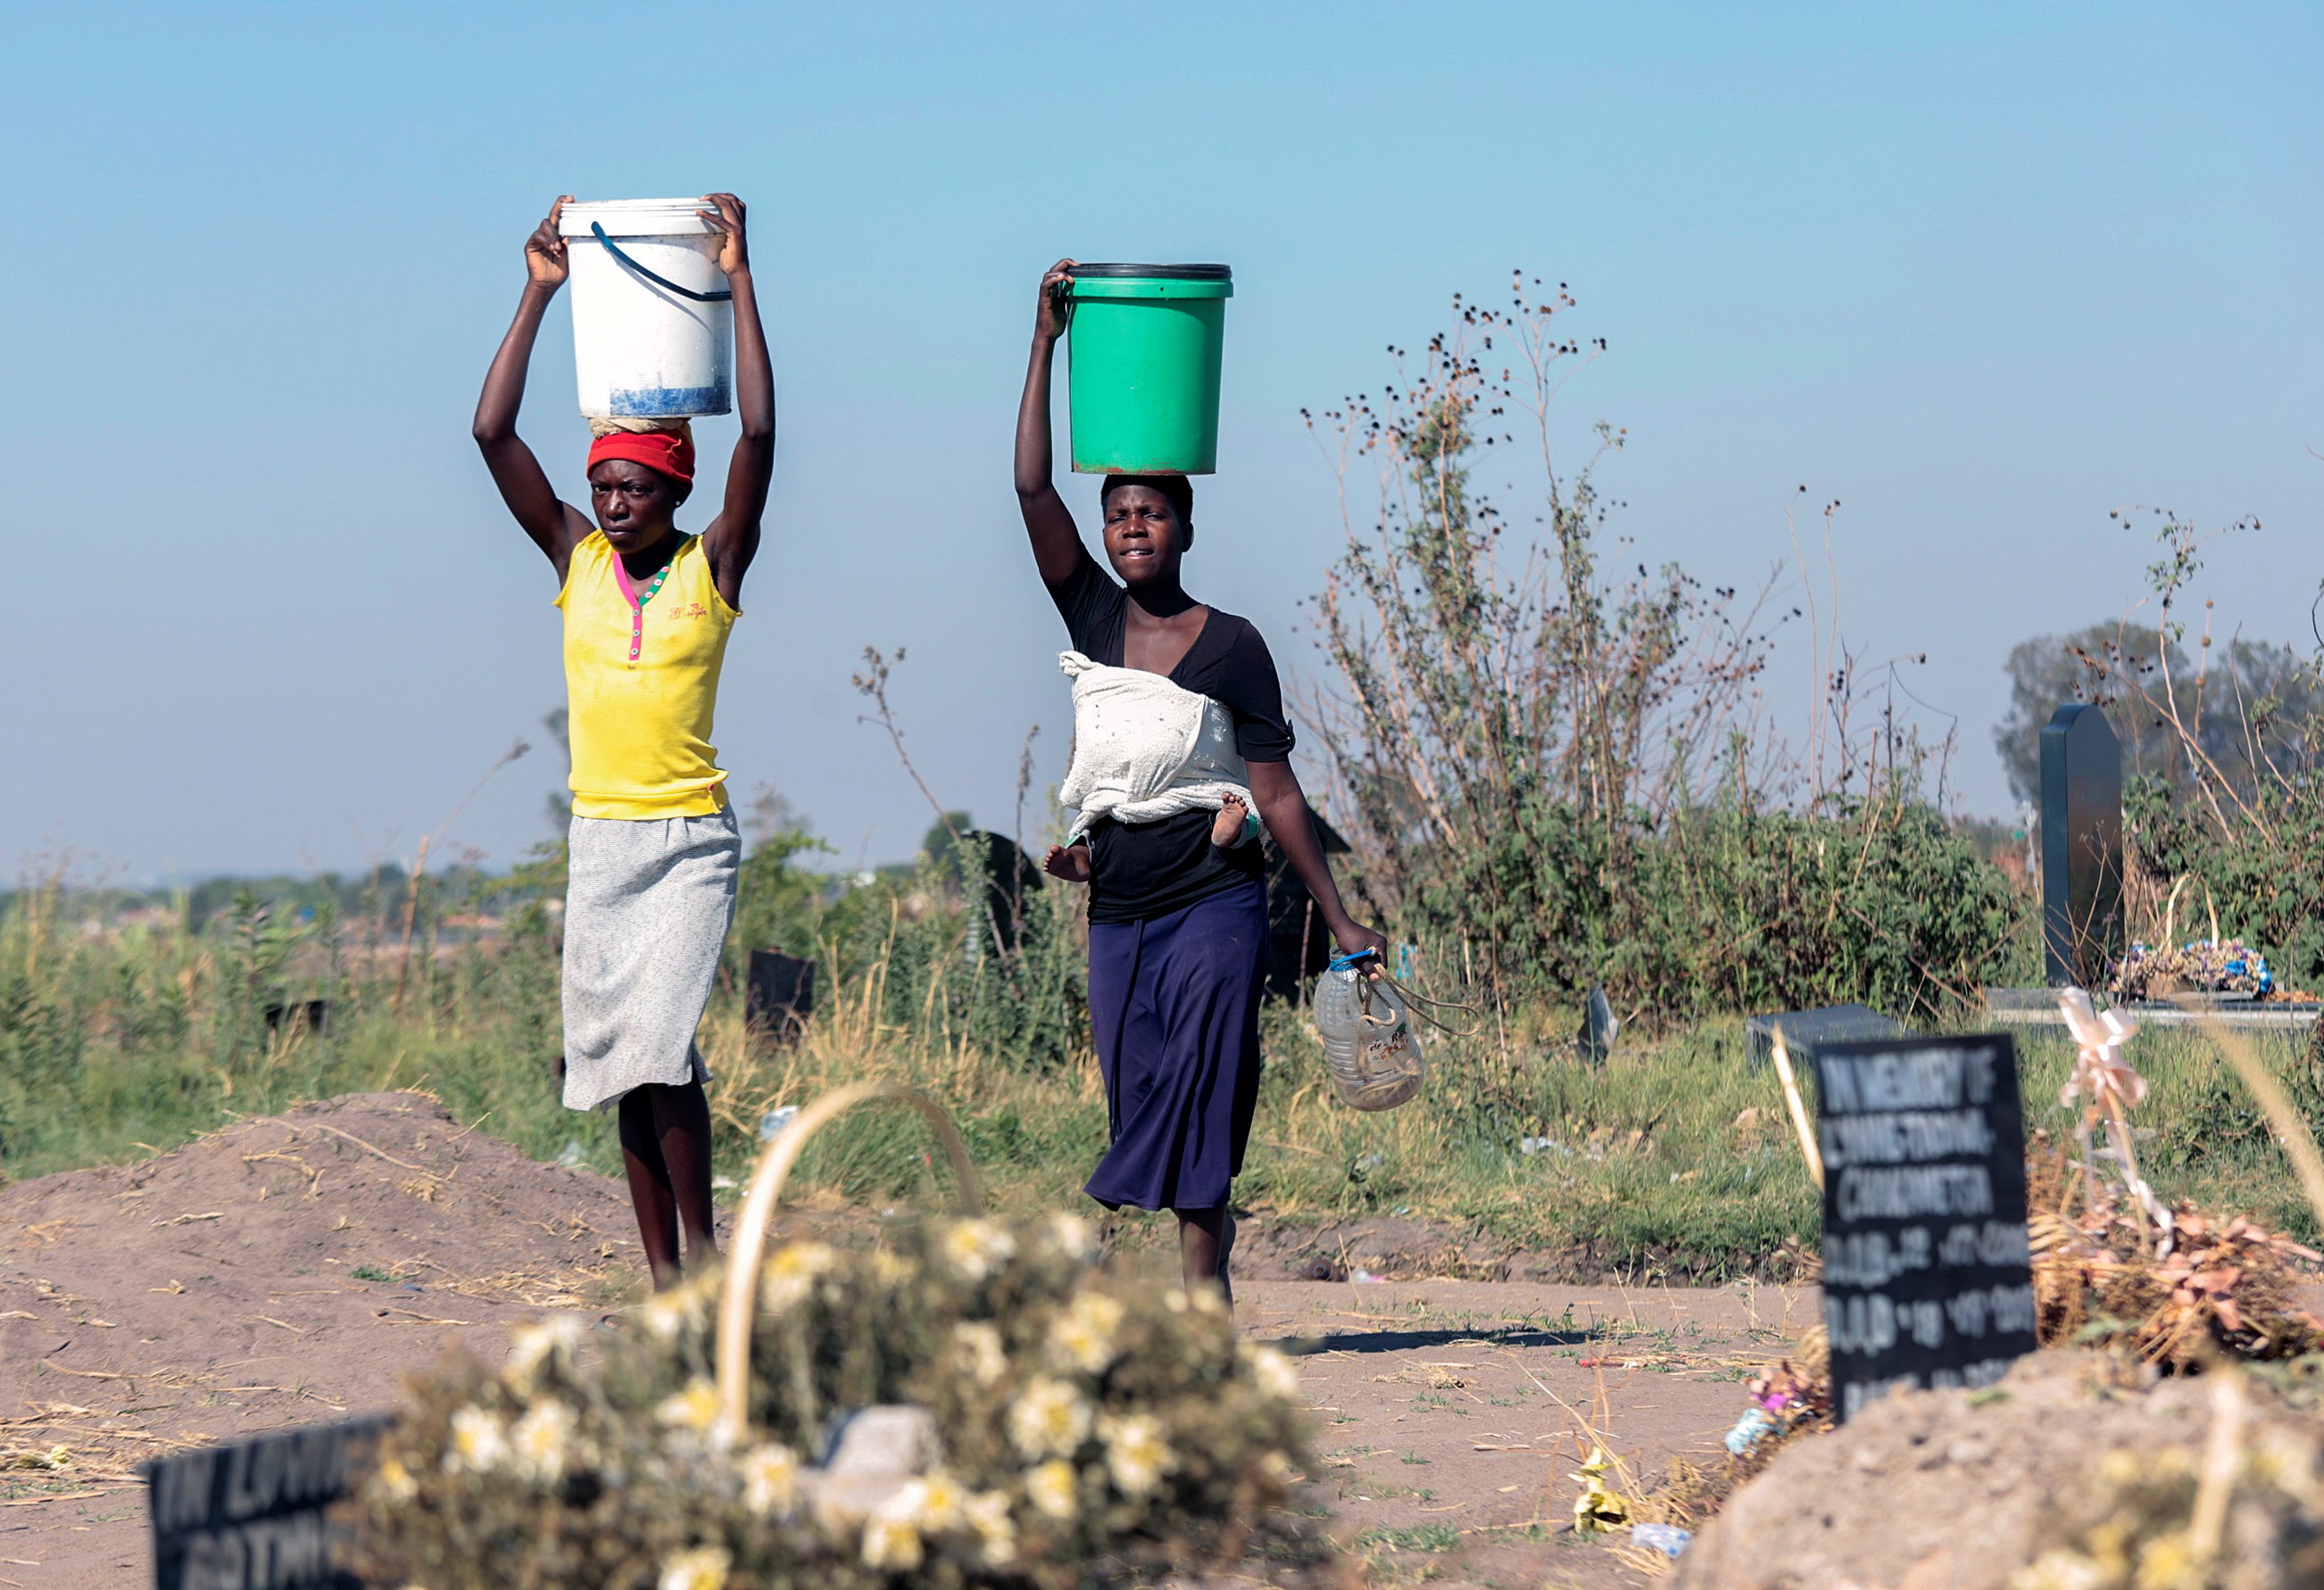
1077,1415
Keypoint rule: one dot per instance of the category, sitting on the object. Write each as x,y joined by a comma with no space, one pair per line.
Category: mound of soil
1939,1489
278,1271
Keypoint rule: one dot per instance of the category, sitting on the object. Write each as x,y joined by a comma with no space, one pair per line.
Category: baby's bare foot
1226,831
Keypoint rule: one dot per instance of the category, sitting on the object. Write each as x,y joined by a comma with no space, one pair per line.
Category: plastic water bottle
1369,1052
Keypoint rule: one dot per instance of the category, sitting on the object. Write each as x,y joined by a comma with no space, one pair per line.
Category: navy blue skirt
1174,1005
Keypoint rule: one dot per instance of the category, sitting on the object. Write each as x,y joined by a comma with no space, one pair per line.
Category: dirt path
287,1270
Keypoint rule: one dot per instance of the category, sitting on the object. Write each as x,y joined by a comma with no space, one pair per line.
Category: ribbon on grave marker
2104,1072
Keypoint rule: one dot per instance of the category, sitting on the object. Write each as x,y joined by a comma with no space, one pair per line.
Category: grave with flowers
955,1402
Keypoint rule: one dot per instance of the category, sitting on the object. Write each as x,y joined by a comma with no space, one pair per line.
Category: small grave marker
252,1512
1928,1280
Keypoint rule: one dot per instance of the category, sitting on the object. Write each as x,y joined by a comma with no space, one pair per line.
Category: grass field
1672,1161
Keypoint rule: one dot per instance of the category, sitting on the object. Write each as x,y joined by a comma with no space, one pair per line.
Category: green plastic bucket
1143,350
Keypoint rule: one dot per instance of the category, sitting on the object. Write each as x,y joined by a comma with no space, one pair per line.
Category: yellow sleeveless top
641,683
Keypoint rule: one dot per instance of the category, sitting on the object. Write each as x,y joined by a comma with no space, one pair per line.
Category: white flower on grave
1274,1372
553,1339
396,1480
694,1408
1071,1236
542,1441
976,1248
1054,1488
1136,1454
891,1539
996,1529
771,1481
702,1569
1083,1337
1048,1418
981,1356
479,1442
670,1314
792,1273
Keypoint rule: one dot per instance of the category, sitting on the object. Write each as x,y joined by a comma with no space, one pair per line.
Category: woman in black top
1177,915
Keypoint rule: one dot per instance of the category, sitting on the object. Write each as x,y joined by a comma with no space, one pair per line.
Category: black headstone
1927,1279
780,995
2081,846
1805,1030
253,1513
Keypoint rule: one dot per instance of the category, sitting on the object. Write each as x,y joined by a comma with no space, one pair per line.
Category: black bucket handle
723,295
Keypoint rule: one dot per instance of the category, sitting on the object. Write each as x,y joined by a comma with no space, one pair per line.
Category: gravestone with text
2081,846
253,1513
1927,1279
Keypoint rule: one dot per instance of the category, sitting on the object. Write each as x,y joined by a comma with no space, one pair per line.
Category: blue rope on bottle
723,295
1343,962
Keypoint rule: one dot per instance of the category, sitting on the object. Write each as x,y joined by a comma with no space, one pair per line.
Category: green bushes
1554,776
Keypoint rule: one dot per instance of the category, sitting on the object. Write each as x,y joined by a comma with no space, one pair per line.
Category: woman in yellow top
654,847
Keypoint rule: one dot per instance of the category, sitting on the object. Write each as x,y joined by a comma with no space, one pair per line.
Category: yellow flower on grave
1274,1372
396,1480
981,1356
542,1441
976,1248
889,1268
1599,1508
891,1540
995,1527
792,1273
771,1481
1048,1418
695,1408
552,1339
1136,1454
702,1569
1085,1336
939,1503
1054,1489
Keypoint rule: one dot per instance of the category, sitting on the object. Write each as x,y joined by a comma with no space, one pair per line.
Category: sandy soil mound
1939,1489
275,1272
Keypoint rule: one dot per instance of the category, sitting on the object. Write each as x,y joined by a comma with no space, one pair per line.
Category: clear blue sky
1980,273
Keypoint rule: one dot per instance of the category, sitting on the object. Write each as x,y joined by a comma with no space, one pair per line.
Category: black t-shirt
1145,869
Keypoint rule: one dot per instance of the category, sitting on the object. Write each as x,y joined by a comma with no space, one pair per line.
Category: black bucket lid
1157,272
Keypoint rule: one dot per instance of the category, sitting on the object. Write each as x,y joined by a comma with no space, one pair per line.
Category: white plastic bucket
643,346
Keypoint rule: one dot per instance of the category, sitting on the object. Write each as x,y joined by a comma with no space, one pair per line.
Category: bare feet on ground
1226,831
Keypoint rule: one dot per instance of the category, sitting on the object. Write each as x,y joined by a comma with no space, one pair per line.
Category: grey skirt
647,906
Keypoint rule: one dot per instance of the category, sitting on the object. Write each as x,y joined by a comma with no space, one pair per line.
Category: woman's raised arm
555,528
1056,543
732,541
